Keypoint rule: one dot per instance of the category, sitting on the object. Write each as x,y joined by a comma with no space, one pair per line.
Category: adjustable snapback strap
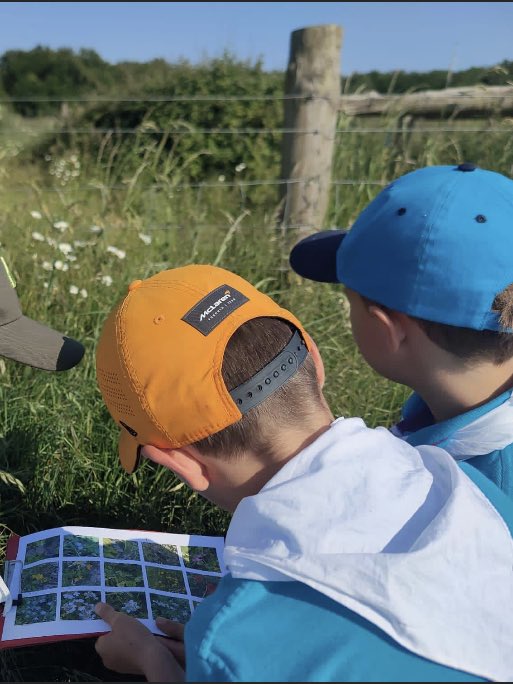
272,376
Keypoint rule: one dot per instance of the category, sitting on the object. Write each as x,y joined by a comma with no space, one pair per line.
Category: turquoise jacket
286,631
419,427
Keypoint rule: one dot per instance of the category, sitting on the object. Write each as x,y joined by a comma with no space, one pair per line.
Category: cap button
466,166
134,285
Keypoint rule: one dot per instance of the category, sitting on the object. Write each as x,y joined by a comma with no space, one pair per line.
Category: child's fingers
176,648
171,628
106,612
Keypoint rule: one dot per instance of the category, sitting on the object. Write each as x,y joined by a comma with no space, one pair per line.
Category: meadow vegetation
82,215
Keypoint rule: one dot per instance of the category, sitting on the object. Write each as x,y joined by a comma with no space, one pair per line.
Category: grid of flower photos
146,575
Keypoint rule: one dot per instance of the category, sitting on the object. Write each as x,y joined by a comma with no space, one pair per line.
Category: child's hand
174,630
131,648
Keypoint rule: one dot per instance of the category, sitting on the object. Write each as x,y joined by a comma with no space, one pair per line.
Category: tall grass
56,438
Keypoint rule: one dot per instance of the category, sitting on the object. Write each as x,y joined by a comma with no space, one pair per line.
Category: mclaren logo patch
206,315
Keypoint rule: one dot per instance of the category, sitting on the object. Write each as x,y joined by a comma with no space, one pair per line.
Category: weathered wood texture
313,74
471,100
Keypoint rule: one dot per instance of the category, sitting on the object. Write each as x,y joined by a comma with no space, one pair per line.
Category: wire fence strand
163,98
183,186
249,131
233,98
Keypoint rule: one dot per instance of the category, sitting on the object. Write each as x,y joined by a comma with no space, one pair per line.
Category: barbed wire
184,186
244,98
153,227
164,131
249,131
173,98
164,186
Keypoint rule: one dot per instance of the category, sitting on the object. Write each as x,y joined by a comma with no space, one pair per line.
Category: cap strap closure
272,376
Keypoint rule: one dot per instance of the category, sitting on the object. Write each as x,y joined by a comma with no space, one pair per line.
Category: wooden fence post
313,75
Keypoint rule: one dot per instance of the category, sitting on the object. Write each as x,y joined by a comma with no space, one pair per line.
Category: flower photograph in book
121,549
78,545
201,558
39,577
202,585
44,548
164,554
130,602
166,580
123,575
171,608
35,609
80,573
79,605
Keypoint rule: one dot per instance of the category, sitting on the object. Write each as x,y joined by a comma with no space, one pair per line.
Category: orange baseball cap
160,356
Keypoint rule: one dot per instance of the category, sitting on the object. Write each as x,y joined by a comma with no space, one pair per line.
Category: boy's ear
318,362
392,324
183,463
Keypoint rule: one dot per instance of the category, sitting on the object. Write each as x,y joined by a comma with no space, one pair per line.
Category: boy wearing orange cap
344,541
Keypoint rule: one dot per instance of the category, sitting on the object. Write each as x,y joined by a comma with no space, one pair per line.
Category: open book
53,579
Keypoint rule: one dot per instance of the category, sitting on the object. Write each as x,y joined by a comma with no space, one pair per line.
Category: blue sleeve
207,670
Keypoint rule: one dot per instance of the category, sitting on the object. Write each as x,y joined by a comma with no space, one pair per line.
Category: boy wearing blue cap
428,270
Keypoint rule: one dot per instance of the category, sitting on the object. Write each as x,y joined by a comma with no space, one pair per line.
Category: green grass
57,441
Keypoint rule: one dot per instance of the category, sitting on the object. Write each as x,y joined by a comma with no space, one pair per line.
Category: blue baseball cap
436,244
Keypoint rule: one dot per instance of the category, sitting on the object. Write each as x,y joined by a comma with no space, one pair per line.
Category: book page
67,570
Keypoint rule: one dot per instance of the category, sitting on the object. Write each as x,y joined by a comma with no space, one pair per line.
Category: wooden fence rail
469,100
313,74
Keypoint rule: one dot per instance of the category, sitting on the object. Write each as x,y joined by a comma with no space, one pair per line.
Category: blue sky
413,36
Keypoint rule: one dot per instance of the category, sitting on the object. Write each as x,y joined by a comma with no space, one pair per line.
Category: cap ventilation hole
401,211
480,218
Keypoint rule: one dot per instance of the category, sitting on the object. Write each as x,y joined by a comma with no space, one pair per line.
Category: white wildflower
47,266
65,247
45,285
239,168
96,229
221,178
121,254
37,236
71,257
61,225
60,266
106,280
81,243
36,214
130,606
83,293
73,289
51,242
145,238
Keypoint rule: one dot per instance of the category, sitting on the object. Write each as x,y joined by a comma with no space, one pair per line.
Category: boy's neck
451,392
245,476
